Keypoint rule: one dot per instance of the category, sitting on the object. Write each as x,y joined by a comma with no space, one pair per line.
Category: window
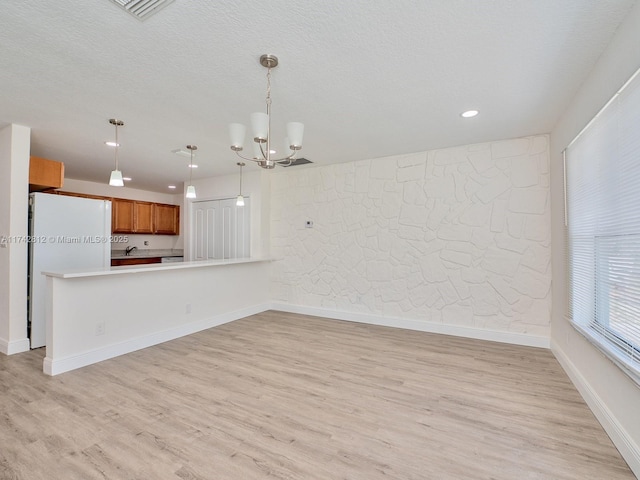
603,228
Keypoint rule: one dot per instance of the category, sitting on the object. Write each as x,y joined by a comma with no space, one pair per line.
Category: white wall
612,395
255,184
155,241
14,198
458,237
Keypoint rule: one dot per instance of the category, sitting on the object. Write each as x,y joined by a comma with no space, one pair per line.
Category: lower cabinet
119,262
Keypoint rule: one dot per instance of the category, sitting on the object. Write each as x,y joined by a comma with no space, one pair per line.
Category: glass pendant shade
295,130
116,179
240,201
237,132
191,192
260,125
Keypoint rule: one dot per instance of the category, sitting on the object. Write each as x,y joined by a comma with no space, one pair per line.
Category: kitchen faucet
129,250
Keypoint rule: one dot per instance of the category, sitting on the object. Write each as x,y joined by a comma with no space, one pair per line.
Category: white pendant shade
295,130
260,125
116,179
240,201
237,133
191,192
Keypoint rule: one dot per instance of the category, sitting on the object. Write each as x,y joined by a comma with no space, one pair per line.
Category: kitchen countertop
156,267
146,253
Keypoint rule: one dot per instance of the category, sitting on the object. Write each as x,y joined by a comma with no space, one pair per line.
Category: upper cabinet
166,219
133,216
122,215
45,174
143,217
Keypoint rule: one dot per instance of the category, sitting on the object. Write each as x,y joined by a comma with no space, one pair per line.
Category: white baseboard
455,330
15,346
629,449
61,365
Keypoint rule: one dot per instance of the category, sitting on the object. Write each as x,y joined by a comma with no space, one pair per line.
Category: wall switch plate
309,224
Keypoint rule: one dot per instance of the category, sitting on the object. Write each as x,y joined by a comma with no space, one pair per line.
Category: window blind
602,168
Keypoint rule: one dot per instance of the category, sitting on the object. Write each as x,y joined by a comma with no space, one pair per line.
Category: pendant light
116,175
191,190
240,198
261,124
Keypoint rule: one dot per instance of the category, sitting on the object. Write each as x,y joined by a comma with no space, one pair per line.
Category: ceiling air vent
296,162
142,9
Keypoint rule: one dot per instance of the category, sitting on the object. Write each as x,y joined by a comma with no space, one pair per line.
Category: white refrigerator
65,233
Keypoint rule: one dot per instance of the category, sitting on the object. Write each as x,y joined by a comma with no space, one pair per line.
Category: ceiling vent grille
296,162
142,9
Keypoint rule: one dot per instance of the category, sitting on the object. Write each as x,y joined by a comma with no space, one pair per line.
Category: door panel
221,229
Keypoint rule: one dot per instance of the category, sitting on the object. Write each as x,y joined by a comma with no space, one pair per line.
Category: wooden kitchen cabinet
121,215
45,174
166,219
119,262
133,216
130,216
143,217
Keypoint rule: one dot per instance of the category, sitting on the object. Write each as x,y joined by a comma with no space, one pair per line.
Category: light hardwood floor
294,397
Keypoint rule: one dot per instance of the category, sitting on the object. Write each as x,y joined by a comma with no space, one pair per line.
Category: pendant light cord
117,145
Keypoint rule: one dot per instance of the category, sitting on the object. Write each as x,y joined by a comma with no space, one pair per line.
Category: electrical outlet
100,328
146,243
187,309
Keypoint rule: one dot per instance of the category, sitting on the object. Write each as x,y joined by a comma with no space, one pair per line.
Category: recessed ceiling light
469,113
272,151
112,144
192,165
172,186
126,179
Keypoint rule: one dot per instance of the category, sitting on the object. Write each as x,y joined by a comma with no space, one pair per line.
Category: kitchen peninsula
94,315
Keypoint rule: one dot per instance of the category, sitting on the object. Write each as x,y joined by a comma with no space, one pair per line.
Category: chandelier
261,125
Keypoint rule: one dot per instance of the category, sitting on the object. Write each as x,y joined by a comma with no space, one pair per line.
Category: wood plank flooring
288,396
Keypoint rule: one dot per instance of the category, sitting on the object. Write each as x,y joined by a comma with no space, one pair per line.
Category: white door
220,229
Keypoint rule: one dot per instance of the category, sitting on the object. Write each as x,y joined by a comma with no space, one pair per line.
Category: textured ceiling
368,78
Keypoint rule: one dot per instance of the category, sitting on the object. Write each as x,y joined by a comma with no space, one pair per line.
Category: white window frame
602,231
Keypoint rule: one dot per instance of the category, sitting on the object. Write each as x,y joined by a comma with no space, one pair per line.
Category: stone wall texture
459,236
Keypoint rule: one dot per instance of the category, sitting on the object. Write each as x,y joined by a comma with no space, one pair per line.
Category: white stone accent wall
459,236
